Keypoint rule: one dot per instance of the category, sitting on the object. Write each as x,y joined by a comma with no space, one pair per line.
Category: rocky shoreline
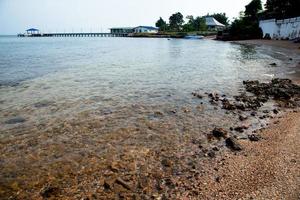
129,166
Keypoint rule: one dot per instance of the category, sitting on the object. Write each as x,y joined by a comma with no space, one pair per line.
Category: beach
155,126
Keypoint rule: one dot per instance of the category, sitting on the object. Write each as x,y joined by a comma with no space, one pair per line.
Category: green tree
176,21
161,24
253,8
281,9
200,24
247,26
220,17
195,24
189,26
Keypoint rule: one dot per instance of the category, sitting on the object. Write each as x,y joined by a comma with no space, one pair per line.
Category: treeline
247,25
177,23
281,9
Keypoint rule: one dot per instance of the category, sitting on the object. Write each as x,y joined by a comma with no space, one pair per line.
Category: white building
213,24
122,30
145,29
281,29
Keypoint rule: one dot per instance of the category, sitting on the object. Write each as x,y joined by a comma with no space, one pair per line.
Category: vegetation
161,24
193,24
176,21
247,25
281,9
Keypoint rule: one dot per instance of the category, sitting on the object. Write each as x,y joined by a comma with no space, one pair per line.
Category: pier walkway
74,35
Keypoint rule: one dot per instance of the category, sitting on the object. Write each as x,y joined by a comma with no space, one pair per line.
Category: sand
268,169
288,45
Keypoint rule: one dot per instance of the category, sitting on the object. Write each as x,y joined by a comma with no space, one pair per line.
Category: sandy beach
288,45
269,169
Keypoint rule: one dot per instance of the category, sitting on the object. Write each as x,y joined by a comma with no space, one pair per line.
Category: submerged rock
233,144
123,183
195,94
254,137
15,120
48,191
219,132
44,103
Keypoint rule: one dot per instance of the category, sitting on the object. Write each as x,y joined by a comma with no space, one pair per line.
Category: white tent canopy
210,21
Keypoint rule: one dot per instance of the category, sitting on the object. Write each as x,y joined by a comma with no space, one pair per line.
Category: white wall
281,29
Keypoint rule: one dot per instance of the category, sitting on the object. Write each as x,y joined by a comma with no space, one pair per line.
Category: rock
219,132
227,105
169,183
44,103
211,154
166,162
253,113
275,111
158,114
114,167
239,129
254,137
197,95
233,144
15,120
214,96
123,183
107,185
216,149
243,117
48,191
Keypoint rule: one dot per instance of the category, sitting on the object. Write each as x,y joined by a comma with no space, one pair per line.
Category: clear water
80,74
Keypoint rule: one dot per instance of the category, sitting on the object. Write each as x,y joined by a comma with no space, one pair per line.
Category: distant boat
194,37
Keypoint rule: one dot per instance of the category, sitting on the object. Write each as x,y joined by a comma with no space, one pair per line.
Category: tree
281,9
176,21
247,26
189,26
220,17
195,24
253,8
161,24
200,24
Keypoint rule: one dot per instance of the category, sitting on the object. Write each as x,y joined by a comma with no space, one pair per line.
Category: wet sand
288,45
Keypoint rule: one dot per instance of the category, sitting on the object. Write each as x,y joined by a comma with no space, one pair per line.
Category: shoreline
81,158
283,44
268,169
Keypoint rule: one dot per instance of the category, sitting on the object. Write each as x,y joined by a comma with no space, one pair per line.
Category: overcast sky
98,15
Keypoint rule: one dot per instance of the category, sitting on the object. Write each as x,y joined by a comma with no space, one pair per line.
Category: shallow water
79,74
67,103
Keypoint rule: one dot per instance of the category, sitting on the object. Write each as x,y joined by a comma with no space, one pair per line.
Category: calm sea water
44,78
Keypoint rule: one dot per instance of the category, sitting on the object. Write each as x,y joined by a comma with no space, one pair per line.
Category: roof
148,27
122,28
210,21
32,29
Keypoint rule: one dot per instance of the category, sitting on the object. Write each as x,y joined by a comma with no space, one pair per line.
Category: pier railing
75,35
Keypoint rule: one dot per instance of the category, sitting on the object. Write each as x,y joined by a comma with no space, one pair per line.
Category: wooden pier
74,35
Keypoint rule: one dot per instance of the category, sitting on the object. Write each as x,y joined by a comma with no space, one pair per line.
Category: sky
99,15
